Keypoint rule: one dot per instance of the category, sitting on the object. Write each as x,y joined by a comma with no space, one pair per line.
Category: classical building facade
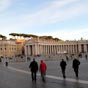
44,47
32,47
7,48
10,48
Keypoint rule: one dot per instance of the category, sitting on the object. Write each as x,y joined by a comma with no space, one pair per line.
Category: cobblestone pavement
17,75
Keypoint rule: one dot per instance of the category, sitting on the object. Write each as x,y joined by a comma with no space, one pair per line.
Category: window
5,48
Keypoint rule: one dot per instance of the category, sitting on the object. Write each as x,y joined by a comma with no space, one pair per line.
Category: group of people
43,67
34,68
6,62
75,66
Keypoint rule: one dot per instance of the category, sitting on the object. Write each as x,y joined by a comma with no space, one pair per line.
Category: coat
33,66
43,67
63,65
76,64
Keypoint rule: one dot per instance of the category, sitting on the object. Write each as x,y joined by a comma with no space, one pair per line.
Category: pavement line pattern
50,76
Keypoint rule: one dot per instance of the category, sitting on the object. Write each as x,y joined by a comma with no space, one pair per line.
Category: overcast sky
65,19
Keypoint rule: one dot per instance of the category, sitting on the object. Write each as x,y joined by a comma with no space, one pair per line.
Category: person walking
0,59
67,58
86,56
43,68
34,68
63,67
6,62
75,66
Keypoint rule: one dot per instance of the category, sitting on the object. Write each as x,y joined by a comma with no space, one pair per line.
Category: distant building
51,47
7,48
20,46
10,48
41,46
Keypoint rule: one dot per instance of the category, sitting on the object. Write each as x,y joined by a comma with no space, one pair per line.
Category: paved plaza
17,75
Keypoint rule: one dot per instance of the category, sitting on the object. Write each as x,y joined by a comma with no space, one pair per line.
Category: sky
64,19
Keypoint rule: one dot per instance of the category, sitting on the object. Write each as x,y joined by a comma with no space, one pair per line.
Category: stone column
85,48
58,48
71,49
45,49
53,49
33,50
36,49
50,49
79,48
28,50
25,50
76,49
41,49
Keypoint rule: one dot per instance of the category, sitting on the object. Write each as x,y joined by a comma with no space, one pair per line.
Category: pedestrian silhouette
80,55
0,60
63,67
67,58
86,56
43,69
75,66
6,62
34,68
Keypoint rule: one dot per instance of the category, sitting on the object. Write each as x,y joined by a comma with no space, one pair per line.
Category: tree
57,39
13,34
3,37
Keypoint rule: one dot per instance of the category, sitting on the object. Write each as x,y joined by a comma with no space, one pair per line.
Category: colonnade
50,49
40,48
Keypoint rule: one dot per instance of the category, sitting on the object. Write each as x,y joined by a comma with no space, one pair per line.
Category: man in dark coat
63,67
75,66
34,68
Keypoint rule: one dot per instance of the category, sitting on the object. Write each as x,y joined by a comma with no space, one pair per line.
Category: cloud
55,12
69,34
49,14
4,4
